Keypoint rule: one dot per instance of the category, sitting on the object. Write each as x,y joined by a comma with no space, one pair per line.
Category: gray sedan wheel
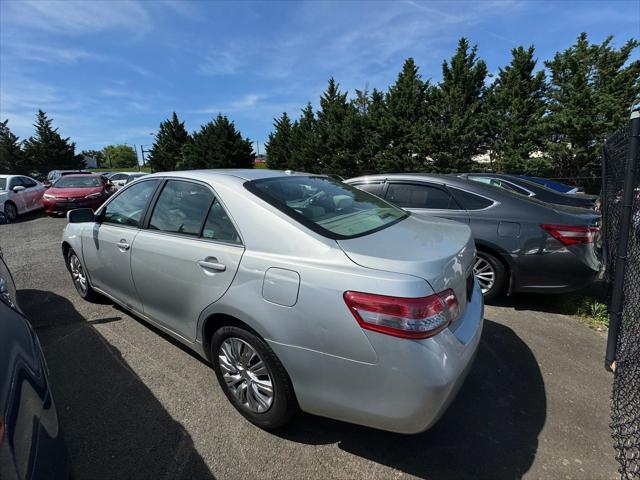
252,377
491,275
79,277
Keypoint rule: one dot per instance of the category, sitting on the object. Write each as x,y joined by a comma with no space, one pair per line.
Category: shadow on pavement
113,424
489,431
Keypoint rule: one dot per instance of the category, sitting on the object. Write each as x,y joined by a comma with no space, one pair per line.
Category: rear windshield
327,206
70,182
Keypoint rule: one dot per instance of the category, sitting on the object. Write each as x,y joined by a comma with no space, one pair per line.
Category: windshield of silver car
327,206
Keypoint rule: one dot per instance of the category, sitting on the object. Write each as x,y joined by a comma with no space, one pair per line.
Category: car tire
79,277
10,211
490,274
245,367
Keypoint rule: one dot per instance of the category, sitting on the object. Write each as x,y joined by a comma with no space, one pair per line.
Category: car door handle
123,245
212,264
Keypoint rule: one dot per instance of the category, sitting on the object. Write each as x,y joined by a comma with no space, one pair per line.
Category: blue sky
109,72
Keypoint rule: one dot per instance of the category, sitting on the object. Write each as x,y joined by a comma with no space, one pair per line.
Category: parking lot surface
135,404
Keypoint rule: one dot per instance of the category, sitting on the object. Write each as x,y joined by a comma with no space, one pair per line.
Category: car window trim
101,210
439,186
154,201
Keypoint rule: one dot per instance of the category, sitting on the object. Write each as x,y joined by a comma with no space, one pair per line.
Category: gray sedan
303,292
524,245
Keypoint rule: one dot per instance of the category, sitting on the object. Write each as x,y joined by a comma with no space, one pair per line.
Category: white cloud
76,17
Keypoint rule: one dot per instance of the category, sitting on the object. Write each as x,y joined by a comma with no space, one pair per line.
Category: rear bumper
560,271
406,391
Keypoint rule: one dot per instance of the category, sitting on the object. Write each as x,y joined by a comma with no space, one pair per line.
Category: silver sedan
303,292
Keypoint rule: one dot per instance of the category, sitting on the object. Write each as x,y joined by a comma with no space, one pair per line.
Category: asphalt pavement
133,403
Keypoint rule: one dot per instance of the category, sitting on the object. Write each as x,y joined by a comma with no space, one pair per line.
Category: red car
77,191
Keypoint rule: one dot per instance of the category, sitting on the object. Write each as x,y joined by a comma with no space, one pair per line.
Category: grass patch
588,309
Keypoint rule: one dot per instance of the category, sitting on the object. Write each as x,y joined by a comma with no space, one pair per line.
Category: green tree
305,143
12,158
97,154
457,124
591,91
166,151
47,150
279,146
400,128
218,144
120,156
339,130
516,109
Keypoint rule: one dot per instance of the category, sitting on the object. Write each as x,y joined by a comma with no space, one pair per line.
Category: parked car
552,184
119,180
532,189
524,245
19,195
31,445
134,176
76,191
300,290
54,175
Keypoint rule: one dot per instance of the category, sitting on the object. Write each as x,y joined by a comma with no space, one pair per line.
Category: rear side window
129,206
372,188
219,227
181,208
408,195
327,206
470,201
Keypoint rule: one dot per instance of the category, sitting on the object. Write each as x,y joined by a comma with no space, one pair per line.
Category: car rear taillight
570,235
414,318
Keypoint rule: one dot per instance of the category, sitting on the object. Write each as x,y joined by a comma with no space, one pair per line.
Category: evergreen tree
403,148
12,158
97,154
218,144
339,133
166,152
120,156
457,122
591,92
516,108
47,150
278,147
374,138
305,143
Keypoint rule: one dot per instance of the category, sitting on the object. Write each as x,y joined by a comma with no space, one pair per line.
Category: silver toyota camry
303,292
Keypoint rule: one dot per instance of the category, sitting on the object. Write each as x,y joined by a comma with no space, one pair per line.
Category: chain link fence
621,230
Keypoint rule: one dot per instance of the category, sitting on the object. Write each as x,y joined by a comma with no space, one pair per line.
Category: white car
19,194
119,180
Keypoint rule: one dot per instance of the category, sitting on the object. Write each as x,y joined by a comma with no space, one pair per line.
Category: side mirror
81,215
18,188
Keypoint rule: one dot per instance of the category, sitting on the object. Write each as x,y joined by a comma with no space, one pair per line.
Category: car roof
83,175
218,174
449,179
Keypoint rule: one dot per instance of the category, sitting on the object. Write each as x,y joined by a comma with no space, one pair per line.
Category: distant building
90,162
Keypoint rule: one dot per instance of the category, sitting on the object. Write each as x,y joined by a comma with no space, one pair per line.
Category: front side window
327,206
27,182
14,182
373,188
3,183
129,206
420,196
181,208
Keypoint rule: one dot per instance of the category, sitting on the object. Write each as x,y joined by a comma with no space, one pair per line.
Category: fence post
617,292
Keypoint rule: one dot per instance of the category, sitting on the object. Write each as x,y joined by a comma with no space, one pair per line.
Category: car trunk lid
440,251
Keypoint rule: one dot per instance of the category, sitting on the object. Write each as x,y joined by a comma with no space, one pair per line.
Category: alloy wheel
485,274
77,274
245,375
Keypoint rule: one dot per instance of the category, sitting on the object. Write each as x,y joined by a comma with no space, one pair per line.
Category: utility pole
142,153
